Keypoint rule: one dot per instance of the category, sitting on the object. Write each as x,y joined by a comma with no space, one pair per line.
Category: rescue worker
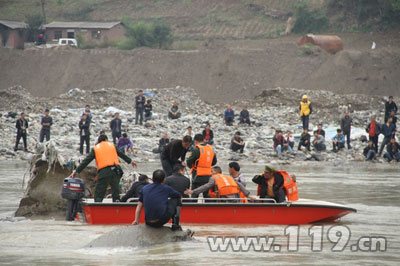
175,153
221,186
109,170
158,208
276,184
305,111
201,159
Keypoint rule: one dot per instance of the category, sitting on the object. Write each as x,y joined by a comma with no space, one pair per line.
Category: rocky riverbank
273,109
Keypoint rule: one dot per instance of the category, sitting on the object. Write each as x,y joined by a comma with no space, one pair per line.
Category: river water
372,189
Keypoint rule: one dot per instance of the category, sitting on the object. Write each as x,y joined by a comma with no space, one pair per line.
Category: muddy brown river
369,237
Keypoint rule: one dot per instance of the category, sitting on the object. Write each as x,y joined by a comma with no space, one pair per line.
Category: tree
162,35
34,22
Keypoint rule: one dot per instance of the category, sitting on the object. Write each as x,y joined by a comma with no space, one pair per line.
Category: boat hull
215,213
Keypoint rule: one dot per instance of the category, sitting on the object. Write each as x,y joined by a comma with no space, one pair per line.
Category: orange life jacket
224,185
106,155
288,184
204,163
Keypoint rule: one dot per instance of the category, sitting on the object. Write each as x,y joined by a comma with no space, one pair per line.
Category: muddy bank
218,71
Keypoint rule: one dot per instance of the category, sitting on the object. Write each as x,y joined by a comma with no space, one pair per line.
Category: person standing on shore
389,107
345,125
115,126
46,123
88,113
305,111
374,129
84,133
140,100
21,125
388,131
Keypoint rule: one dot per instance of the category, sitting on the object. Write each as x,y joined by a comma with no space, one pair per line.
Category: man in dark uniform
46,123
269,184
21,125
200,160
109,171
140,100
174,153
115,126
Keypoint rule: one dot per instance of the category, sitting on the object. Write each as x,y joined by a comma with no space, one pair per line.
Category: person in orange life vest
270,184
221,186
201,158
109,171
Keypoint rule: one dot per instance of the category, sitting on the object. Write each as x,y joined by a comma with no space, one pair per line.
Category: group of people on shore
285,142
281,142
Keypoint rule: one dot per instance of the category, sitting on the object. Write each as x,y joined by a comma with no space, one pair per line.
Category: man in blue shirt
338,141
389,131
158,208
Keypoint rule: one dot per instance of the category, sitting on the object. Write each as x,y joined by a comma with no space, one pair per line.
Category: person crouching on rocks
158,208
109,171
237,143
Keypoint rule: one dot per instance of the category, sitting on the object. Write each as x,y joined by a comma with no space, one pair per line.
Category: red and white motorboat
266,211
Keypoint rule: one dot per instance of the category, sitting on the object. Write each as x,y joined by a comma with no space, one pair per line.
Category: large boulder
140,236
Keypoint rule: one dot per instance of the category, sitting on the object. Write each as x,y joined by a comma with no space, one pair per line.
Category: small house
12,34
97,32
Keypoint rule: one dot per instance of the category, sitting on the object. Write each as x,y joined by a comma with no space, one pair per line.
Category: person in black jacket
208,135
148,111
115,126
269,184
133,192
178,180
175,153
392,151
140,100
21,125
370,151
305,140
46,123
389,107
320,131
84,133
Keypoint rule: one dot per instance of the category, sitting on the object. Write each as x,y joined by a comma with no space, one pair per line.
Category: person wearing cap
305,111
237,143
270,184
389,107
109,171
136,187
392,151
46,123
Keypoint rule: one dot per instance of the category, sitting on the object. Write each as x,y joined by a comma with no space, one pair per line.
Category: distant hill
190,19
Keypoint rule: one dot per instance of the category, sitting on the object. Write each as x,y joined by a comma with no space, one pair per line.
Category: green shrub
146,34
308,20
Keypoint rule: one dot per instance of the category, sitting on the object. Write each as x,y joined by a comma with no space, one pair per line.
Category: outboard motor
73,190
